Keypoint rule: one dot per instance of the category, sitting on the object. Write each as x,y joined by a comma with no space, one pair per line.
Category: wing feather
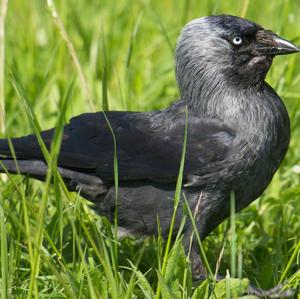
149,145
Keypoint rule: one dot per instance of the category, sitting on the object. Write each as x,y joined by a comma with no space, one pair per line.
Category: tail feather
89,186
26,147
4,148
33,168
28,159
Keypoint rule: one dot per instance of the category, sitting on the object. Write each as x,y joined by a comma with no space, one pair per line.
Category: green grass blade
290,262
105,105
202,251
3,12
233,244
4,255
177,198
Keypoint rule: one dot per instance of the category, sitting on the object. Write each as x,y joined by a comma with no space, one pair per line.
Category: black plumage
237,135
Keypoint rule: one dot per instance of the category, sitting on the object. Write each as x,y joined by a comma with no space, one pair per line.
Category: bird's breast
265,129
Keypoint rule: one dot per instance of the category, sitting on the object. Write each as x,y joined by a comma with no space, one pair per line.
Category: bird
233,126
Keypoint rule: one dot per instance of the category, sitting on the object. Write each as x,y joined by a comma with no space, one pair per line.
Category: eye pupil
237,40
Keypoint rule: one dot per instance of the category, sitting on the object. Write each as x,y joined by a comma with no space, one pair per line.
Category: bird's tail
26,147
27,159
34,168
22,155
5,149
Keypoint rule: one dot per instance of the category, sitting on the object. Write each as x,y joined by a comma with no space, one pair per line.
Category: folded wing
149,145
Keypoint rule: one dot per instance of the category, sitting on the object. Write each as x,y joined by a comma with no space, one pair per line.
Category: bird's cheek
241,60
244,59
257,60
260,62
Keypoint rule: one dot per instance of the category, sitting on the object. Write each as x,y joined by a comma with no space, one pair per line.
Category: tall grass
3,12
121,56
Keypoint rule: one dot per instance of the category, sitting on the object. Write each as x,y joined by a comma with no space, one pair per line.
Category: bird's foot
199,273
198,270
273,293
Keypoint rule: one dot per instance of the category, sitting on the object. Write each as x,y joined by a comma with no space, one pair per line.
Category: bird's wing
149,147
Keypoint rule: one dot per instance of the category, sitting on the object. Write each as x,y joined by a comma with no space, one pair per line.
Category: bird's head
228,49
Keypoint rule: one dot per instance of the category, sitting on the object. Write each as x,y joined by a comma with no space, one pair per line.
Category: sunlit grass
52,243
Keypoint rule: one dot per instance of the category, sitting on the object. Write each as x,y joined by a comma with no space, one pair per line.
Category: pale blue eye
237,40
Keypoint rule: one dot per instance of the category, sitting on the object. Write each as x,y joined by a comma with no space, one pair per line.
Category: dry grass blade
72,51
3,11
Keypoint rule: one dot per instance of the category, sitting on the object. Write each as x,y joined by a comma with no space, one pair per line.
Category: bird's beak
268,43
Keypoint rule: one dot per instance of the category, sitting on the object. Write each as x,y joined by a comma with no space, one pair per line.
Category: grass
121,56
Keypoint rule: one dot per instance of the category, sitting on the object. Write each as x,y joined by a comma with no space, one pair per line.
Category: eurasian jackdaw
238,132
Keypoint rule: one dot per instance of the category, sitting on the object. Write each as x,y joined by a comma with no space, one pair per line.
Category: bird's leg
198,269
273,293
199,273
